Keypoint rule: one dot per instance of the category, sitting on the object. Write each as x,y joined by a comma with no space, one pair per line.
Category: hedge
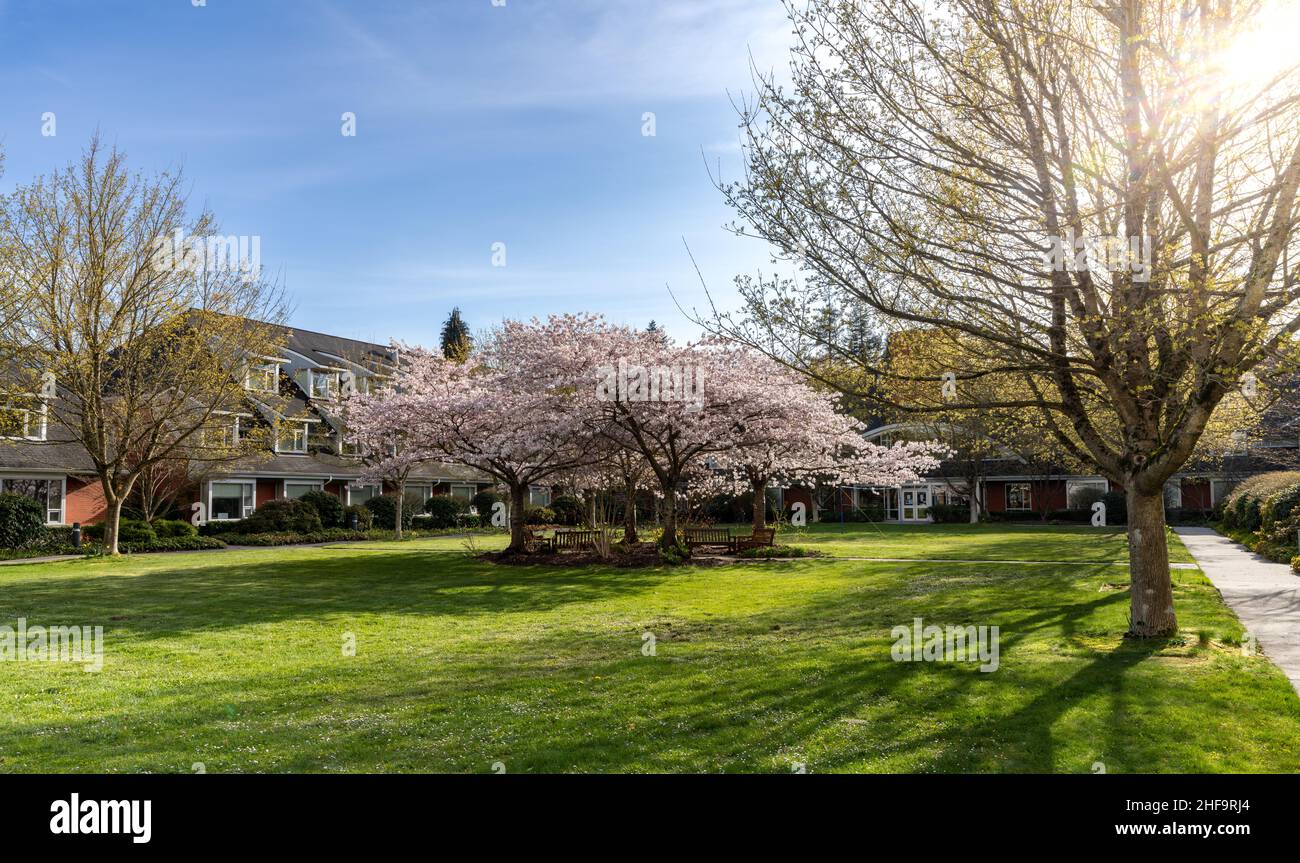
327,506
22,521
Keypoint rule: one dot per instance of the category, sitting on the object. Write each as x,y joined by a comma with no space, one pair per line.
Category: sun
1265,50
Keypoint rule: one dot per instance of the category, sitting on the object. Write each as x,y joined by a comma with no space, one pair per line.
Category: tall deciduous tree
510,411
940,170
387,427
146,342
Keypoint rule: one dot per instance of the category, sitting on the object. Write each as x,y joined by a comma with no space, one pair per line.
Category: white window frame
43,412
377,489
245,509
63,494
1173,494
231,434
535,490
306,436
462,487
357,451
331,385
313,485
413,488
269,368
1072,484
1029,496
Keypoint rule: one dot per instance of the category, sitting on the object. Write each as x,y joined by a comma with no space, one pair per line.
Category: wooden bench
696,536
534,540
763,537
573,539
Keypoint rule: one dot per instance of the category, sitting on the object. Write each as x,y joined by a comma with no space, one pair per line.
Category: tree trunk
668,539
974,503
629,513
1151,592
112,525
760,503
401,503
516,519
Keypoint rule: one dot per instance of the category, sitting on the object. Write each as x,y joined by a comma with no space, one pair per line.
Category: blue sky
476,124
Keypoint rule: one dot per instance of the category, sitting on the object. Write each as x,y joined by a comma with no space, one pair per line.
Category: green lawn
234,659
1008,541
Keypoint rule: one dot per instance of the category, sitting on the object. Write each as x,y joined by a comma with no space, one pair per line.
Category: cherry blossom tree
383,426
677,405
806,439
510,411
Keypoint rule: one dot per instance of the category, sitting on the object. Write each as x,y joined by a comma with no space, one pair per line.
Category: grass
235,660
1006,541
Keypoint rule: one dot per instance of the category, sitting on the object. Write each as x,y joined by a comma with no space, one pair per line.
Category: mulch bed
642,555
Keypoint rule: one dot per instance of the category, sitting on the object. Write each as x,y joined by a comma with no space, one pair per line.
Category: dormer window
349,446
291,437
224,432
24,419
324,385
263,379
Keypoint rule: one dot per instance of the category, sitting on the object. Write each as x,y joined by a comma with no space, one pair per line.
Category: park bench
567,539
535,540
760,538
696,536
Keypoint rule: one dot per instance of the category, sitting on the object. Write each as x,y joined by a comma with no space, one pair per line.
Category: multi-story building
294,398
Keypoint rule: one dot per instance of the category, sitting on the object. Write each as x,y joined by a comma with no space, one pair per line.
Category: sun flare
1265,50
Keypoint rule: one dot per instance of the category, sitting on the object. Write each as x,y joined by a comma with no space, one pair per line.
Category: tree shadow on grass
232,592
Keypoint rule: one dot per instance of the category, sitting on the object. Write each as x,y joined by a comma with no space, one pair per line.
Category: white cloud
582,52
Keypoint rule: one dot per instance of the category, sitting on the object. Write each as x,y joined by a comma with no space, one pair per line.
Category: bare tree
143,334
940,170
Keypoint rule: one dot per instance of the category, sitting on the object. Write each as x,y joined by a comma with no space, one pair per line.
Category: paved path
1265,595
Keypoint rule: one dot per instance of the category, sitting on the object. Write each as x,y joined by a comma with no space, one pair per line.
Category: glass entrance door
915,504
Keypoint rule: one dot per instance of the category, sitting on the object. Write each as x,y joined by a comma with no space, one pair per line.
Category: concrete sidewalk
1265,595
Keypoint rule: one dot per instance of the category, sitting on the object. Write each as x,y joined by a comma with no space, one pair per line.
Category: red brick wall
995,496
1053,490
267,489
799,495
85,502
1196,494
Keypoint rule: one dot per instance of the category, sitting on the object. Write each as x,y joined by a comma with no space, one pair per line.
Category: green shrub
220,528
22,521
1244,506
778,551
174,543
280,516
327,506
674,555
1116,507
173,528
1084,497
383,510
539,515
444,510
295,538
483,503
568,509
365,520
1250,517
950,513
133,530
